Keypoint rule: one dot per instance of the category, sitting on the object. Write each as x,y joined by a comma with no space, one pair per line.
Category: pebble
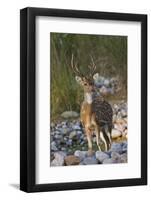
124,147
72,134
101,156
58,159
80,154
116,147
58,137
115,156
69,114
90,161
116,133
53,146
123,158
108,161
72,160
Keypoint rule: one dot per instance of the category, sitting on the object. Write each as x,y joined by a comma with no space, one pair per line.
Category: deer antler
75,68
92,67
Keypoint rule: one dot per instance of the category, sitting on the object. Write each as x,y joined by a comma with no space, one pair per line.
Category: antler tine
93,64
93,67
75,68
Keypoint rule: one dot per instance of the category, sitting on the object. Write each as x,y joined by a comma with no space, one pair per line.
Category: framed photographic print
83,99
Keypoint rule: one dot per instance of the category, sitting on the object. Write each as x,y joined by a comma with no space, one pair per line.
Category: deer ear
96,76
78,79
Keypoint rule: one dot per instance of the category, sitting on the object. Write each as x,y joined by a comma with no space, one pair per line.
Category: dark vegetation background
109,54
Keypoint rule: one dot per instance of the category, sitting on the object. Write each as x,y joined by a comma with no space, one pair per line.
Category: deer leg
104,140
88,133
108,131
90,152
98,139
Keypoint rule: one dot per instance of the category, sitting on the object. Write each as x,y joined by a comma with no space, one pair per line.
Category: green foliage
109,54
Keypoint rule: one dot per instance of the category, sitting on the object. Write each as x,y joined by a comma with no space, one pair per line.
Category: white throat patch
88,98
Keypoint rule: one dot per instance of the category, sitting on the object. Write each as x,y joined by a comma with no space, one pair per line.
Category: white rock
59,159
115,133
106,82
101,156
72,134
53,146
70,114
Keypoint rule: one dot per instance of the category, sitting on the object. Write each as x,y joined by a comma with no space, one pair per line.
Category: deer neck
88,97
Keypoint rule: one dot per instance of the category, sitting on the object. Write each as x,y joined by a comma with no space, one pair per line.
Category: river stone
52,125
80,154
123,158
69,114
106,82
108,161
115,133
116,147
58,137
53,146
65,130
124,147
76,127
58,159
100,156
72,160
115,156
72,134
90,161
123,113
103,90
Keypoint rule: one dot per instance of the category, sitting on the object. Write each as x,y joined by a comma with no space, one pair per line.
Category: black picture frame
28,99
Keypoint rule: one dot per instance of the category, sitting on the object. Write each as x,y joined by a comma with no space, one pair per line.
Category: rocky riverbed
69,144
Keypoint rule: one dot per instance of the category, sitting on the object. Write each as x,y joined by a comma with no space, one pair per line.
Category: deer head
86,81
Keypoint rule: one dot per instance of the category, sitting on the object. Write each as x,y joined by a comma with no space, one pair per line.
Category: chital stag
96,113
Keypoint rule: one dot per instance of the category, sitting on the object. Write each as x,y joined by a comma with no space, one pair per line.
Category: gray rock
108,161
65,130
58,159
124,147
80,154
69,142
115,133
53,146
123,158
58,137
76,127
72,134
116,147
90,161
100,156
79,133
115,156
69,114
123,113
